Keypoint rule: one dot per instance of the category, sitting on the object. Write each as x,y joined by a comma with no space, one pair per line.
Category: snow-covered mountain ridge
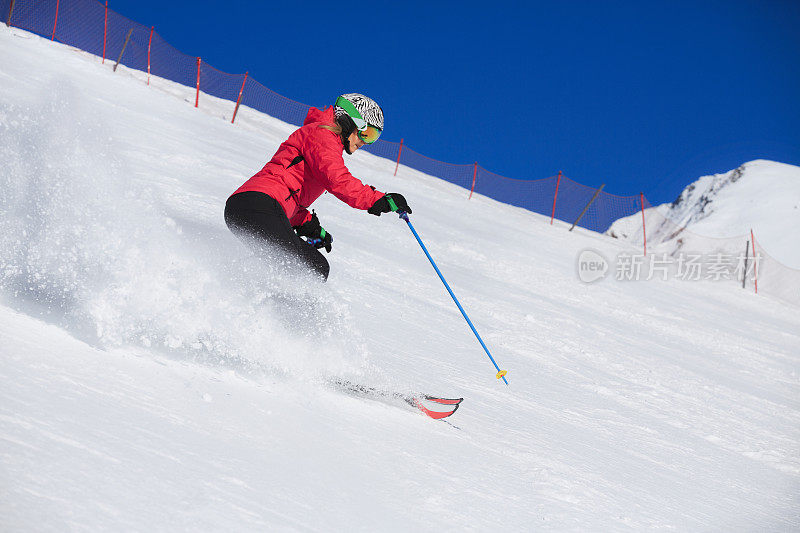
760,195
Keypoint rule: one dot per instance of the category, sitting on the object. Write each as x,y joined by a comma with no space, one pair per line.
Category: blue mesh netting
81,23
220,84
606,208
609,207
169,63
459,174
37,17
262,99
5,5
534,195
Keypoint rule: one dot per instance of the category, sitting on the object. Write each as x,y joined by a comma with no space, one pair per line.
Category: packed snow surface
156,376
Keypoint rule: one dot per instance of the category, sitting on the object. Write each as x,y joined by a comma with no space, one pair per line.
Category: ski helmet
366,115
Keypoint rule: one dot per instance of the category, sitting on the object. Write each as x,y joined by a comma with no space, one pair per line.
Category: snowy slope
762,195
150,380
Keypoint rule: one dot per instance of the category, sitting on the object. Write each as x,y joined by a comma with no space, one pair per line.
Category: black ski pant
258,219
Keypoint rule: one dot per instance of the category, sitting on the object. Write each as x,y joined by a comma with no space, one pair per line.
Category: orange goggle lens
369,135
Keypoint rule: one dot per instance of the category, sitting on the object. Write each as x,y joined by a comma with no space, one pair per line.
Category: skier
272,207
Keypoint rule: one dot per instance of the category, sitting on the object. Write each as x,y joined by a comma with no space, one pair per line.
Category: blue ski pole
500,373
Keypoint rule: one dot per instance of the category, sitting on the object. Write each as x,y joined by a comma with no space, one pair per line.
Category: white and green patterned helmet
365,112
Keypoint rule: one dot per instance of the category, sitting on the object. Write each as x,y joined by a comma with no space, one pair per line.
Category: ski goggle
366,132
369,135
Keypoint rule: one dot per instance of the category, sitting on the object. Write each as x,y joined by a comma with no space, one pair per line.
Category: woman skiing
272,207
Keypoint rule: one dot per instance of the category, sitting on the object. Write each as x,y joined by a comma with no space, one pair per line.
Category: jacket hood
325,116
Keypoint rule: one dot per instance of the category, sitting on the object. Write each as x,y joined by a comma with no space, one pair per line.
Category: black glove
384,206
313,230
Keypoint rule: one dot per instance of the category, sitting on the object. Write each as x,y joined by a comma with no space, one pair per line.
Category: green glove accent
392,205
322,233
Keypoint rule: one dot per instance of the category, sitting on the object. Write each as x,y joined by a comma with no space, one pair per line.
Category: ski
436,413
432,406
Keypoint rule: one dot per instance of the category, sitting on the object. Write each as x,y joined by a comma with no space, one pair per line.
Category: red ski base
432,406
435,411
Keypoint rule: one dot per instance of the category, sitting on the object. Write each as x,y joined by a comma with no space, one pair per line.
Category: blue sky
642,96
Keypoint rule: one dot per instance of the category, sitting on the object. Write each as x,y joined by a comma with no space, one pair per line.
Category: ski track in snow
154,377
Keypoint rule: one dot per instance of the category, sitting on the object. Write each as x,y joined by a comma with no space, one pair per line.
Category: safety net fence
92,26
738,259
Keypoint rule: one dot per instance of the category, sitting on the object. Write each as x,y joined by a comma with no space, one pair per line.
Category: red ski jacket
322,169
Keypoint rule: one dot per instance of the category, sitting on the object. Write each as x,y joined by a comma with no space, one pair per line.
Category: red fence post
398,156
474,175
149,45
644,232
197,97
554,198
755,260
55,22
105,34
239,100
10,12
